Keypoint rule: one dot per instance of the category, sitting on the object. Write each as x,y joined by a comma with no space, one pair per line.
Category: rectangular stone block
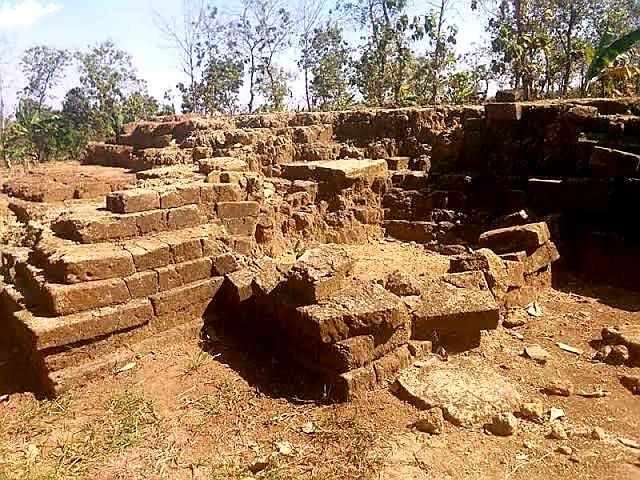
354,352
363,308
148,253
398,163
183,246
154,221
97,229
515,273
350,385
132,201
238,285
184,217
388,366
320,273
222,164
176,196
241,226
67,299
142,284
43,333
220,192
607,162
515,239
500,113
181,297
411,231
194,270
168,278
459,304
85,263
237,209
540,258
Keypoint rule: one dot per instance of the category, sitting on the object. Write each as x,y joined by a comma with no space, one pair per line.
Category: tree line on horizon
373,53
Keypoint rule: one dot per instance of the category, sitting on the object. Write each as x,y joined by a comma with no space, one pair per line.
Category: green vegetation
346,53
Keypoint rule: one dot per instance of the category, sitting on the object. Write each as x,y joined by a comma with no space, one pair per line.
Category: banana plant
606,55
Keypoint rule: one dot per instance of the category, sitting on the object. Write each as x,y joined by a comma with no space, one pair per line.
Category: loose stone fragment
431,422
536,353
557,432
503,425
560,388
619,355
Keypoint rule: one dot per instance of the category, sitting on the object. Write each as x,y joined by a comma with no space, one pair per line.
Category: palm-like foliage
606,55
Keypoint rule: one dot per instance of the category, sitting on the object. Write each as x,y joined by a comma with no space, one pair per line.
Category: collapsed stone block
514,239
411,231
398,163
363,308
541,257
499,113
320,273
458,304
132,201
239,285
607,162
493,267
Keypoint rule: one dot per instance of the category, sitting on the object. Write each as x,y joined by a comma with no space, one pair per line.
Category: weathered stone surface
403,284
627,335
132,201
388,366
515,239
224,264
176,196
142,284
459,304
354,352
241,226
168,278
336,172
540,258
148,253
499,113
152,221
181,297
42,333
183,217
363,308
67,299
85,263
220,192
222,164
239,285
320,273
183,246
493,267
398,163
351,384
469,395
607,162
90,228
194,270
411,231
237,209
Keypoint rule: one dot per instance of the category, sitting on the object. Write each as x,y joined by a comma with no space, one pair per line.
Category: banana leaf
606,56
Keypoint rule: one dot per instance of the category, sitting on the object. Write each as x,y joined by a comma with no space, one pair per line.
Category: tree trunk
437,54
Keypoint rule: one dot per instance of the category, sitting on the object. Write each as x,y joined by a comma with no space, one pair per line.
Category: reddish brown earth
189,413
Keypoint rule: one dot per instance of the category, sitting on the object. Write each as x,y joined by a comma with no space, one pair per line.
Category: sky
78,24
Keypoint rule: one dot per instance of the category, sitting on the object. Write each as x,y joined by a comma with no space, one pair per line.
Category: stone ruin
247,219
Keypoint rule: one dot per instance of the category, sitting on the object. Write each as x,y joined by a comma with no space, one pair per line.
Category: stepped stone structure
248,217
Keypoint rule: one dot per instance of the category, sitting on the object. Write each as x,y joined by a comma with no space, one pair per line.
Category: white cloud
24,14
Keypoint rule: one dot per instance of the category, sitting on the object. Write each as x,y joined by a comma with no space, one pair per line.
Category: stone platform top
337,171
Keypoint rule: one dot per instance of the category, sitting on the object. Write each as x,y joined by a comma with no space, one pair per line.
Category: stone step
412,231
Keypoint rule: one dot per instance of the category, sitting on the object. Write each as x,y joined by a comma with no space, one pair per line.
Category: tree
186,37
43,67
108,78
328,60
78,118
386,58
220,85
310,15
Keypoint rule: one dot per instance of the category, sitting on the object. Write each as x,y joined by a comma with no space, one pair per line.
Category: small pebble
561,388
503,425
431,422
598,433
557,432
533,411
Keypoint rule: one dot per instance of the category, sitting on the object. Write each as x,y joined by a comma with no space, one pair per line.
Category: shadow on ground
570,282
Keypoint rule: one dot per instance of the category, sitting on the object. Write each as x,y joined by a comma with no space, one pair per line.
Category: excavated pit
255,223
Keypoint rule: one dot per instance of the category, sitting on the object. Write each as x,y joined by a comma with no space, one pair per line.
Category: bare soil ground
230,410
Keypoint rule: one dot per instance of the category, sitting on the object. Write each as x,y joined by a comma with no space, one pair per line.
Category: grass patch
228,472
229,392
199,360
